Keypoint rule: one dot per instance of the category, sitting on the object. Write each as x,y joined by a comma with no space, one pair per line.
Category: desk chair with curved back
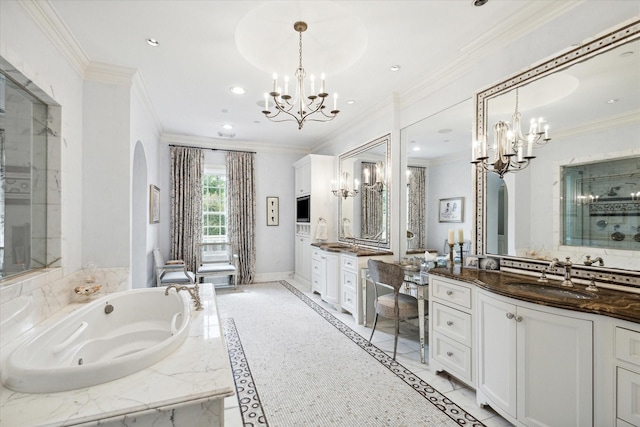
394,305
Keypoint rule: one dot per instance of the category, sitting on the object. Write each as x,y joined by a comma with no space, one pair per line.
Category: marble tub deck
188,385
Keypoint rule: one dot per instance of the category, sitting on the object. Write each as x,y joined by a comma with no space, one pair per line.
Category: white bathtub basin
91,346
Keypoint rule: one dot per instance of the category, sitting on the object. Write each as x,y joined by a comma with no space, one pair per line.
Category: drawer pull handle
449,353
518,318
509,315
449,323
449,293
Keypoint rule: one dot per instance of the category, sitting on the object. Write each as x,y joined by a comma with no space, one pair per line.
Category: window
214,206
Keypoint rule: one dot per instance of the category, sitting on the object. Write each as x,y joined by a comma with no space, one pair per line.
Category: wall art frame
451,209
273,211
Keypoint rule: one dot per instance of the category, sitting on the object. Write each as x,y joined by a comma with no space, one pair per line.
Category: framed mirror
437,168
365,216
590,98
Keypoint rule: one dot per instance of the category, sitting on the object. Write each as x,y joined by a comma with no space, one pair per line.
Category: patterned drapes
241,211
186,203
417,205
372,218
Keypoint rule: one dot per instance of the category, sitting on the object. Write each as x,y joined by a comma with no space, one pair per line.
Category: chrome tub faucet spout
590,261
193,291
567,270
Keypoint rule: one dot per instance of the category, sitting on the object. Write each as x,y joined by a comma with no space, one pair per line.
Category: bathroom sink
552,291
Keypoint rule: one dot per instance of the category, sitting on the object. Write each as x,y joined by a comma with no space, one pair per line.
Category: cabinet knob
449,323
509,315
449,353
518,318
449,293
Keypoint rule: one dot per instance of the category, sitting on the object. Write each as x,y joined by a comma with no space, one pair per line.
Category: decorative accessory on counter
602,224
299,108
592,284
86,290
616,235
321,230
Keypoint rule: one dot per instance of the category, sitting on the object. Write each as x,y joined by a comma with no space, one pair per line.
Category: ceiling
206,47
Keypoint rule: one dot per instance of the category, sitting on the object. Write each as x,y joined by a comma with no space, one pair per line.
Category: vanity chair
171,272
394,305
217,259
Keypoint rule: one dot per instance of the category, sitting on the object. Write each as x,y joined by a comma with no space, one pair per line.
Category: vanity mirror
365,217
590,97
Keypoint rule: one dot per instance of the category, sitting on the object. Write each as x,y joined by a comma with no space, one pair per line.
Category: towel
321,231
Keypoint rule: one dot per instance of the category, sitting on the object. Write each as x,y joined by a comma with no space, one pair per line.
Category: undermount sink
552,291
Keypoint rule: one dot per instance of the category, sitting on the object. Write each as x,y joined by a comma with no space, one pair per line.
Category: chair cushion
407,305
177,277
216,268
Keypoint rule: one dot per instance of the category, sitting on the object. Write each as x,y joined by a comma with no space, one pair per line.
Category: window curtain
241,208
417,206
371,212
186,203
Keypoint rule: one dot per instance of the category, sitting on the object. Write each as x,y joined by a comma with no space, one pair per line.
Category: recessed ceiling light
153,42
445,130
238,90
416,148
479,3
612,101
394,68
227,126
351,101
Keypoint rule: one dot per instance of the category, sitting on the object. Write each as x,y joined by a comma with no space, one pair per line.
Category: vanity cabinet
627,371
302,249
451,332
535,363
348,284
325,276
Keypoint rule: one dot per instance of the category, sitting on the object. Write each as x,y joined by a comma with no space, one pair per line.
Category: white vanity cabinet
325,276
535,363
627,373
451,332
302,249
348,284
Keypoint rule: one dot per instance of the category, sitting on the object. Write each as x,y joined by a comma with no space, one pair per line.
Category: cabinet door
555,369
332,279
303,179
303,257
497,352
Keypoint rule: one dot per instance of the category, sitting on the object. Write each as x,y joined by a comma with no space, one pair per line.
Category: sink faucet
193,291
590,261
567,270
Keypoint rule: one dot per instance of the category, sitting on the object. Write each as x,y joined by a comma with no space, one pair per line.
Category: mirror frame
386,139
619,35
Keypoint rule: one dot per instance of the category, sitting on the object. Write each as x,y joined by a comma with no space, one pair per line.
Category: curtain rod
214,149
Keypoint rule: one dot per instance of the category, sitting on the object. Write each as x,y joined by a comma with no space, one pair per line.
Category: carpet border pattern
251,408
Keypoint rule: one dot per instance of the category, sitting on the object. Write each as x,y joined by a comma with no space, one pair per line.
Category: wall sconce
378,175
345,190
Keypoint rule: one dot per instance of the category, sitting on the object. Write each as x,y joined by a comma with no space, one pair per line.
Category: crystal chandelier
344,190
509,145
299,108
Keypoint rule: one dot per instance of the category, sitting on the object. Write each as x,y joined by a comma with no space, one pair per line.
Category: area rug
295,364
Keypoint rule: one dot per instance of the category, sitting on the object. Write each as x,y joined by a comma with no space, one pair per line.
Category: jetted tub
109,338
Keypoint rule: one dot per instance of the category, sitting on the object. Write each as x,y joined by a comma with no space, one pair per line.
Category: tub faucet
590,261
193,291
567,270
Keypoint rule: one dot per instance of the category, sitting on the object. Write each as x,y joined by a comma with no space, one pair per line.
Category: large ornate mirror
590,98
437,167
365,216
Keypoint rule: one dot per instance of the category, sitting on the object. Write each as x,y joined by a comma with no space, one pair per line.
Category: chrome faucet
567,270
590,261
193,291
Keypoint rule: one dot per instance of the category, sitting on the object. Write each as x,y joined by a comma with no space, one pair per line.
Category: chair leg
375,321
395,341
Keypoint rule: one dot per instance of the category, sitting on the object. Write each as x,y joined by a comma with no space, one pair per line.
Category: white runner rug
295,364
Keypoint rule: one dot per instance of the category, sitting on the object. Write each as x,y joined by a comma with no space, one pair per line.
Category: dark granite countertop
350,249
607,302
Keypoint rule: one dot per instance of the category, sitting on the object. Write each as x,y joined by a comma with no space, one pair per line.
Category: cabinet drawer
452,323
349,301
628,345
349,263
349,280
451,293
628,397
316,253
452,354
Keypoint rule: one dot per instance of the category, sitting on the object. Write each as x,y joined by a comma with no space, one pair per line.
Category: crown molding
48,20
109,74
624,119
226,144
141,92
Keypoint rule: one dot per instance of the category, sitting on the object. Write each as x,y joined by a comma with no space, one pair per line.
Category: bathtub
109,338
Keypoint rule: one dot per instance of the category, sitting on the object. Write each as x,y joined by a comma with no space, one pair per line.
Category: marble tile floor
408,353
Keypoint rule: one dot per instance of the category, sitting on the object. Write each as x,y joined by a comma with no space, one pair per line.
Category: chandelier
299,107
378,175
344,190
509,145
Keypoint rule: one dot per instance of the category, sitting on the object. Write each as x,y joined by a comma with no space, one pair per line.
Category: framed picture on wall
273,211
154,204
451,210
